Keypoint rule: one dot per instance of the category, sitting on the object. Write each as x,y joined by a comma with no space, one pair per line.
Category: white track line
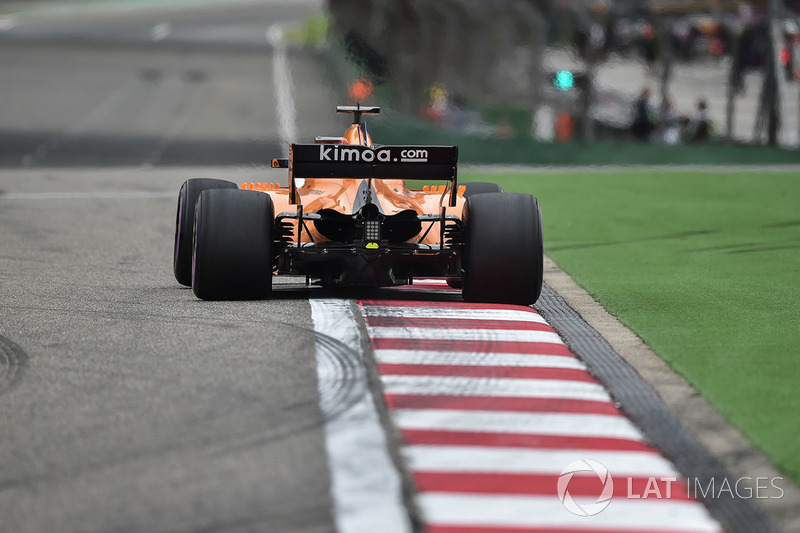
565,425
497,387
478,459
546,511
365,485
495,335
410,357
284,91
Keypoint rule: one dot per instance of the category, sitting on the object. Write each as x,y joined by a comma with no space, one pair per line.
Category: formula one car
348,218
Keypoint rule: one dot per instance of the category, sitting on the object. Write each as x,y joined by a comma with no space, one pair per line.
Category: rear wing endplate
380,162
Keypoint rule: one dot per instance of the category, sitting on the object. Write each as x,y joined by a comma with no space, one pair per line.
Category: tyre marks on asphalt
13,361
491,406
365,484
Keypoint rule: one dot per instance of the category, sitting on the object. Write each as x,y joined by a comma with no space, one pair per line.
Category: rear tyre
503,254
480,187
472,188
187,198
455,283
233,245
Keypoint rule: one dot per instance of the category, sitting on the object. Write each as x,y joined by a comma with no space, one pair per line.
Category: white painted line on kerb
282,78
411,357
547,512
491,481
558,424
496,387
495,335
494,460
439,314
365,485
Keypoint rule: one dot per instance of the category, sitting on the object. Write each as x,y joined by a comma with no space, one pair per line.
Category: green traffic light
564,80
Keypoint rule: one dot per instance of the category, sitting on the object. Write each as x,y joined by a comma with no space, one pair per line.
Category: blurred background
154,83
549,82
659,72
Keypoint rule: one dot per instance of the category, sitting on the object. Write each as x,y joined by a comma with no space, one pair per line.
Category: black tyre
455,283
503,254
233,245
480,187
184,220
473,188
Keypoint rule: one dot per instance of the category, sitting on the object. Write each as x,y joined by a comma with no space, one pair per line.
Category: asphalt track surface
188,88
127,404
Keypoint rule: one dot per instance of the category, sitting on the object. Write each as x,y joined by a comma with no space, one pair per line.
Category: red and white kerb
492,406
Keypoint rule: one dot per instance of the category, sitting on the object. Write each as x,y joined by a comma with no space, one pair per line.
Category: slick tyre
233,245
480,187
503,254
187,198
472,188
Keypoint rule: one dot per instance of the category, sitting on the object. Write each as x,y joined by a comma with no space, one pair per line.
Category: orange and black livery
349,217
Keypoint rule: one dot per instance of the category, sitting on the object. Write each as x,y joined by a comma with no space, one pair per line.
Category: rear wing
380,162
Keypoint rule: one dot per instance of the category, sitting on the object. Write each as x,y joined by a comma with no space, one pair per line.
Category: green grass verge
705,267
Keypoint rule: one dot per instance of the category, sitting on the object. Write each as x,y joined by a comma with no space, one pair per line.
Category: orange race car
348,218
